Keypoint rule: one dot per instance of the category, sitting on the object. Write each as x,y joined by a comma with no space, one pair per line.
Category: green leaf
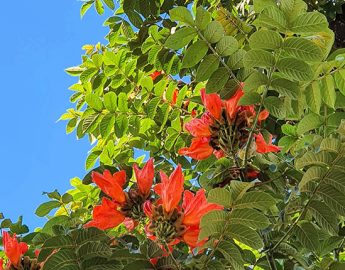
45,208
339,78
180,38
122,102
232,254
194,54
110,101
286,87
64,259
249,217
94,249
255,199
307,235
245,235
74,71
89,122
236,60
99,7
202,18
94,101
258,58
238,189
107,125
310,22
308,122
214,32
275,106
110,3
250,98
254,81
85,7
312,174
91,159
272,17
321,158
303,49
227,45
207,67
331,145
212,223
260,5
324,216
266,40
333,198
181,14
121,125
220,196
217,80
328,93
293,8
295,69
152,107
313,97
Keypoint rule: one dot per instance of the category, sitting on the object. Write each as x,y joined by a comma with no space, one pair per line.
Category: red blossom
106,215
145,177
14,250
174,97
263,147
212,103
199,149
155,74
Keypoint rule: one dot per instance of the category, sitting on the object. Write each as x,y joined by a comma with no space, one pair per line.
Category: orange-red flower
223,128
174,97
123,207
155,74
170,189
263,147
14,250
106,215
145,177
172,221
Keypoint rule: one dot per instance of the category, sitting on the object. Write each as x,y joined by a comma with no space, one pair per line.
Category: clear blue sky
39,39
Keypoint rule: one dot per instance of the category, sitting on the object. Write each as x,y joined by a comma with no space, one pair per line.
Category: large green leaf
181,14
313,97
311,22
255,199
227,46
307,235
232,254
258,58
339,78
324,216
249,217
180,38
328,91
285,87
220,196
45,208
214,32
265,39
194,54
272,17
275,106
217,80
303,49
295,69
207,67
245,235
308,122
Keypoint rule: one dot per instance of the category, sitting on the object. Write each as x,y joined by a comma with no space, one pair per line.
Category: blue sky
39,39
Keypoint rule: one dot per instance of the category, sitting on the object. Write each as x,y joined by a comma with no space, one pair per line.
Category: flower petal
212,103
199,149
145,177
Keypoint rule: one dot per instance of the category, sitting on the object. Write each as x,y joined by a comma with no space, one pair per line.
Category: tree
238,109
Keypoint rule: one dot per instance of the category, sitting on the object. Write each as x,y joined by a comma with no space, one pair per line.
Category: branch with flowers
218,143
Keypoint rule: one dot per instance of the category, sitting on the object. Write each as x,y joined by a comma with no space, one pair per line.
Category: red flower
200,127
145,177
212,103
155,74
199,149
170,189
174,97
1,264
111,184
13,249
37,252
106,215
263,147
195,206
231,104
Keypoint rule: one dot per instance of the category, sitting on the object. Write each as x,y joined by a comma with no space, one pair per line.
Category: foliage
139,92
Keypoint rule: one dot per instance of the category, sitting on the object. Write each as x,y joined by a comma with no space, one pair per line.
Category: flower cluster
166,218
224,128
15,251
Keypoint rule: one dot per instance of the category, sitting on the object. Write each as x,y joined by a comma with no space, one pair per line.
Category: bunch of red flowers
164,216
224,128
